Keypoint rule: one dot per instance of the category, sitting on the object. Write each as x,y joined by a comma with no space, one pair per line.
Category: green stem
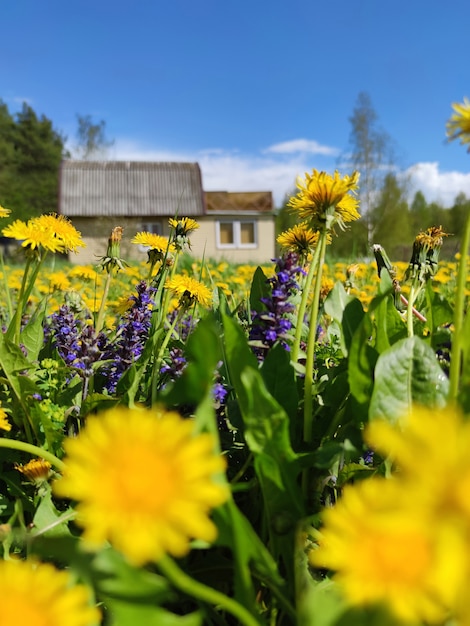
303,305
199,591
167,292
6,287
161,353
409,311
312,333
166,341
100,319
30,448
459,311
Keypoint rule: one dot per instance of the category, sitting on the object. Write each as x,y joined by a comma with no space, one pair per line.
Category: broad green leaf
407,373
32,337
133,614
13,363
279,377
48,520
318,603
361,363
116,578
259,289
238,355
203,353
249,552
347,311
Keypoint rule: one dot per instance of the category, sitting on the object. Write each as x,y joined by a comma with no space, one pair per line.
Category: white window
152,227
236,234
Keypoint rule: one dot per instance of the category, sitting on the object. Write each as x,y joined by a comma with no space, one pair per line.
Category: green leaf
249,552
32,337
203,353
407,373
238,355
131,614
319,603
347,311
260,288
48,520
116,578
279,377
361,363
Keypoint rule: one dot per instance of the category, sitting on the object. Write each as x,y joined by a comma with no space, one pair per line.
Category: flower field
194,443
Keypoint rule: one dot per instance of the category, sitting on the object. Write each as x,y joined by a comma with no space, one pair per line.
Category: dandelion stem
312,333
459,311
198,590
303,304
30,448
100,319
6,287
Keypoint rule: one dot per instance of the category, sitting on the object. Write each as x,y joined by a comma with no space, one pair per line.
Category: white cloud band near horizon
277,168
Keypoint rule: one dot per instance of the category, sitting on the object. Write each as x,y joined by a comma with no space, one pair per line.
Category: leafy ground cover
188,444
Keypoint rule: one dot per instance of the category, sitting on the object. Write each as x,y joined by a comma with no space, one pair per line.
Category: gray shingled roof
130,188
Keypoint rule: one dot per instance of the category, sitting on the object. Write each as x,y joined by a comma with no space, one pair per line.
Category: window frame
236,227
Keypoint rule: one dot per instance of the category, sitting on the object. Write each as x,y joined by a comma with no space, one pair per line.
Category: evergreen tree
30,154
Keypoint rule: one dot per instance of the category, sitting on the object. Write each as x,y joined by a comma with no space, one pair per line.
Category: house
141,196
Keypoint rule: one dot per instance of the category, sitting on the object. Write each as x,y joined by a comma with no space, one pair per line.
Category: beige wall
204,243
95,233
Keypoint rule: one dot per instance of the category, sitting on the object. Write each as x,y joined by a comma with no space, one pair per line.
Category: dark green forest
31,150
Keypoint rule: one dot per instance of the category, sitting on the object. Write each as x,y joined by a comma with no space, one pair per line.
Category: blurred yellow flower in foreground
144,482
405,540
38,593
381,553
4,212
458,125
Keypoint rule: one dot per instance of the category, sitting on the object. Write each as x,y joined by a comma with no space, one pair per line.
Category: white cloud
230,170
437,186
224,170
309,146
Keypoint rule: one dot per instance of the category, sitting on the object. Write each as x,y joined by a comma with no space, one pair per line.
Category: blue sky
257,92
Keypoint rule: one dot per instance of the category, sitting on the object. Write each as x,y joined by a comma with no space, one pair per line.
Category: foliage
31,152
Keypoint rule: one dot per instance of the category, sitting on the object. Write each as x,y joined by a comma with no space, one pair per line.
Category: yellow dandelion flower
143,481
4,212
430,447
384,551
153,241
458,125
61,228
32,237
4,423
325,200
299,238
183,225
58,281
38,593
35,470
83,272
190,290
123,304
